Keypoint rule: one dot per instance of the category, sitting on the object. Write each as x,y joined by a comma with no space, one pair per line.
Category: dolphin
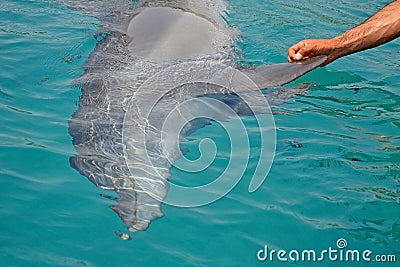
137,40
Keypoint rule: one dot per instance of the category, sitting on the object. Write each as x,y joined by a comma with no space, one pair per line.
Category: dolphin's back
124,58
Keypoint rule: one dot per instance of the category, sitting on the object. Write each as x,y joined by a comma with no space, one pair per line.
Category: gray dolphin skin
137,40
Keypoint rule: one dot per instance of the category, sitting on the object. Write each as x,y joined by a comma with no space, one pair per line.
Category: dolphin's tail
135,207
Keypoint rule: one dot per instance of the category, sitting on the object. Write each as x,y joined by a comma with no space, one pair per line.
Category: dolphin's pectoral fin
279,74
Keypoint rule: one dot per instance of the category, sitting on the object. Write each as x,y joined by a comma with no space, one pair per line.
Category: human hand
311,48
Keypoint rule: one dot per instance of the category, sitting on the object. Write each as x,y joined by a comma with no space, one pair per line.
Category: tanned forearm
382,27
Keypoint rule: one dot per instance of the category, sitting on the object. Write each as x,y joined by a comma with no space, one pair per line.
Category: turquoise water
336,172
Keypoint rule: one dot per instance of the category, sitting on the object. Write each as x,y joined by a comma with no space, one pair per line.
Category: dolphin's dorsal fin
266,76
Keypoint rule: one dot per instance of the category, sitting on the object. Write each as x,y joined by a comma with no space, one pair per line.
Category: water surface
336,172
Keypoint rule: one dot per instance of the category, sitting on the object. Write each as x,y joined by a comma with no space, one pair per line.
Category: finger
298,51
298,56
293,50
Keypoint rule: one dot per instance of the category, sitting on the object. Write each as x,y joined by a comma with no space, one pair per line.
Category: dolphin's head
165,33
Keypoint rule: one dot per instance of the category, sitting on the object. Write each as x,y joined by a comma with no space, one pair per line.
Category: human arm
381,28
